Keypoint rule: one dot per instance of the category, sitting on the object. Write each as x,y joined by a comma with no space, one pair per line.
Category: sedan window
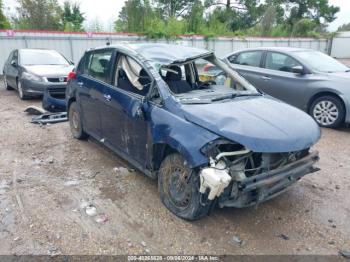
252,58
280,62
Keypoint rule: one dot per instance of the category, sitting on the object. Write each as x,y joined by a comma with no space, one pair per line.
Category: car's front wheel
75,122
21,92
328,111
6,84
179,189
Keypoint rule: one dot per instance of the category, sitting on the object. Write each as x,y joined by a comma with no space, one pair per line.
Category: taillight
71,76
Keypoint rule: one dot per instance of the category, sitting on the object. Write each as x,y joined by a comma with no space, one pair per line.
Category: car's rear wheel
179,189
328,111
21,92
6,84
75,122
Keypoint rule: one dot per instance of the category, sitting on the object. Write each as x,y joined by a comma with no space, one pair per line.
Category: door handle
108,98
80,83
266,78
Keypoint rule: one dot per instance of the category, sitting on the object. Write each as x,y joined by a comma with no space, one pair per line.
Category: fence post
25,41
71,48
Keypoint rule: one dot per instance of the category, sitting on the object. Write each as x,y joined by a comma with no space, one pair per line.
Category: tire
328,111
75,122
182,199
6,84
21,92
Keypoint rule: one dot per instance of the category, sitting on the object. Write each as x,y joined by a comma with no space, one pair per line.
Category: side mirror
298,70
14,63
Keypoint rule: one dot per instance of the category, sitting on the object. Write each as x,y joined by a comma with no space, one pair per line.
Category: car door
12,69
279,81
248,64
125,114
91,84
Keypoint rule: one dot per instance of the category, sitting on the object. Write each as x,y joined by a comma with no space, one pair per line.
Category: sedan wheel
328,111
20,91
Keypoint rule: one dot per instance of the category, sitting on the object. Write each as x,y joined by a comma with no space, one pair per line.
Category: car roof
274,48
160,52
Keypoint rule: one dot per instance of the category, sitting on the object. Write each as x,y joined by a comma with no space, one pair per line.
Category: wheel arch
325,93
70,101
159,152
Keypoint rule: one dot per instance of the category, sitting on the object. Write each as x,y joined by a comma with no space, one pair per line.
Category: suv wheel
328,111
179,189
6,84
75,122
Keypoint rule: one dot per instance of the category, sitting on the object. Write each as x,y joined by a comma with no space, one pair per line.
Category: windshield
41,57
320,62
204,80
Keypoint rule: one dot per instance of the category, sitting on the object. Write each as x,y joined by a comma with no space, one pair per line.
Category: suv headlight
32,77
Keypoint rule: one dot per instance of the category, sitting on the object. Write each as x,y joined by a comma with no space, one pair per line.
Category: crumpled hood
261,124
50,70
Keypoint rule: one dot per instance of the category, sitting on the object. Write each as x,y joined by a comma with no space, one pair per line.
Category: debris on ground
101,218
331,242
34,110
143,243
50,118
90,210
121,170
283,236
238,241
344,253
72,183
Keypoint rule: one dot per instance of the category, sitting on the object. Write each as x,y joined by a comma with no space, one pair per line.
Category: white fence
73,45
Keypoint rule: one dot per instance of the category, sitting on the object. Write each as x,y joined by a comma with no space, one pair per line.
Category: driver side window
280,62
131,76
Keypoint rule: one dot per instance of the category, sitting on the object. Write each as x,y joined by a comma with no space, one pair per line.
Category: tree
344,27
195,18
268,21
72,17
4,24
174,8
95,25
38,14
134,16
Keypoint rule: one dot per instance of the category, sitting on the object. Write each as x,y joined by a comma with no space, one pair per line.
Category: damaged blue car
209,143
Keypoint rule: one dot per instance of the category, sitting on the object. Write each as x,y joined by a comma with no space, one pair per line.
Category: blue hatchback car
215,143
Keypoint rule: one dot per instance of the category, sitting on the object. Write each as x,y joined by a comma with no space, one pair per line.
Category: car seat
175,82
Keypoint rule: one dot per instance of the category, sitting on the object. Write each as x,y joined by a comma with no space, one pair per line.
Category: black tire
75,122
182,199
328,111
6,84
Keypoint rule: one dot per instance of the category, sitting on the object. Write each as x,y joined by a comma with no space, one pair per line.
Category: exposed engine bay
240,177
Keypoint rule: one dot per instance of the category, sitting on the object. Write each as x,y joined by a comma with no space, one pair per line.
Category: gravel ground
47,179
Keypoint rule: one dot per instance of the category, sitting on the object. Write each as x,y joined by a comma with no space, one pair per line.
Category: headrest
170,76
103,62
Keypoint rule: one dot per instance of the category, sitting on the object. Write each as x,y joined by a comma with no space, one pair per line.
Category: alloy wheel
326,113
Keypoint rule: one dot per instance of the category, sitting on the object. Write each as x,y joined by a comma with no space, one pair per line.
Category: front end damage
239,177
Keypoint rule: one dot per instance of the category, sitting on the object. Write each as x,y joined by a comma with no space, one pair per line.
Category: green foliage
4,23
72,17
344,27
38,14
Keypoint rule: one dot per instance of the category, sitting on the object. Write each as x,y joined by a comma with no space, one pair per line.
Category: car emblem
61,79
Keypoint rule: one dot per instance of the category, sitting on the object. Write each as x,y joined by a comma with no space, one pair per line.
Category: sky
107,11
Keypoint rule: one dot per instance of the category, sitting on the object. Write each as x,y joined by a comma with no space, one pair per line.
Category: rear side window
97,65
252,58
280,62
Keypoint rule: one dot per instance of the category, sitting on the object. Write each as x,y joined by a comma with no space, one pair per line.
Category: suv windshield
204,80
321,62
41,57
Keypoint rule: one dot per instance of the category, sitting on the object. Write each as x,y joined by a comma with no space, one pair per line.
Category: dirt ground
47,179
